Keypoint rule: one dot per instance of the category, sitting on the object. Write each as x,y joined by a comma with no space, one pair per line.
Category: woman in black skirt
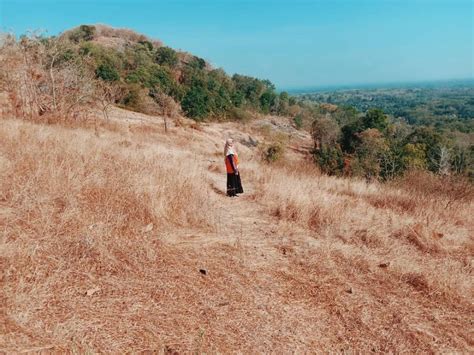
234,184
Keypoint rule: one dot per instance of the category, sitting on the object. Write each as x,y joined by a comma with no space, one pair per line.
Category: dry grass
104,231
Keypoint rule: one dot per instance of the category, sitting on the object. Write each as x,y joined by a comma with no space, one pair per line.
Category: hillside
116,234
118,237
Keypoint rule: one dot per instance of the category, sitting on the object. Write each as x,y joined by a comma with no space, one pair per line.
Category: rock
92,291
384,265
203,271
250,142
148,228
350,290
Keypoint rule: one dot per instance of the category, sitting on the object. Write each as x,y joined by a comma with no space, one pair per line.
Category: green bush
267,100
196,102
329,159
83,33
298,121
107,72
166,56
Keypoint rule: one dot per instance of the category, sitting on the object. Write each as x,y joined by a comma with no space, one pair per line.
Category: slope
118,237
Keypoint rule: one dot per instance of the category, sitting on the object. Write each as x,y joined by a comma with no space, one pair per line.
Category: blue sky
294,43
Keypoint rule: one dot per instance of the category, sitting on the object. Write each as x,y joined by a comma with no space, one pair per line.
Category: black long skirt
234,185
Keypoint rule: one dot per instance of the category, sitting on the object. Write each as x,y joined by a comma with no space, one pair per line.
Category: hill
96,65
117,236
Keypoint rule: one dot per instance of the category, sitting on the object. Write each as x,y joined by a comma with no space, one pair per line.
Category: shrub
267,100
239,114
83,33
298,121
196,102
273,152
166,56
330,159
198,63
107,72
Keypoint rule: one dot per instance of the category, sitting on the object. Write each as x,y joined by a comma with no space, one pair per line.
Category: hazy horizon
381,85
297,44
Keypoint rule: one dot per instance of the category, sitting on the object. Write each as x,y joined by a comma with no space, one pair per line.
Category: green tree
414,156
83,33
432,142
267,101
330,159
166,56
107,72
375,118
371,152
283,103
196,102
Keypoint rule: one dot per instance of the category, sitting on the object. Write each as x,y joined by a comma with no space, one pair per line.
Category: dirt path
241,222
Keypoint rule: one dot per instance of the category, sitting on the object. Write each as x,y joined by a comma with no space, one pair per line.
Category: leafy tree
196,102
432,141
325,132
197,63
166,56
107,72
371,152
330,159
414,156
267,100
83,33
283,102
147,44
350,138
375,118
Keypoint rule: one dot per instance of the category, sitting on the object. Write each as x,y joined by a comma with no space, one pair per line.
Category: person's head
229,144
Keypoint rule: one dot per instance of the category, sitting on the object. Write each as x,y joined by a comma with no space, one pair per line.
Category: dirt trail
241,222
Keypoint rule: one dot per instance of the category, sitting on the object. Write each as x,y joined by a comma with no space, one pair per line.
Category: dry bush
452,189
97,179
290,196
40,85
74,209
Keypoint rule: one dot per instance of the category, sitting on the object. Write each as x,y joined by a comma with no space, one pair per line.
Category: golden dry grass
104,232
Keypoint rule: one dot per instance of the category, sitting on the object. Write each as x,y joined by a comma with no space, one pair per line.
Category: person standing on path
234,184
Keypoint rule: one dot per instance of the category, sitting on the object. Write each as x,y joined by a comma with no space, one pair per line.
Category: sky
293,43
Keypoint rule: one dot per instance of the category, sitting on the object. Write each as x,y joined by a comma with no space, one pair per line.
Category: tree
196,102
432,141
325,132
375,118
107,72
83,33
330,159
371,152
283,100
414,156
166,56
107,94
267,101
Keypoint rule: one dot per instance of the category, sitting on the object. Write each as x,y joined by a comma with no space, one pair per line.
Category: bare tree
168,108
106,94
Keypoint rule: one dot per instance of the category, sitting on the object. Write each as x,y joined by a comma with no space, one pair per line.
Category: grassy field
118,237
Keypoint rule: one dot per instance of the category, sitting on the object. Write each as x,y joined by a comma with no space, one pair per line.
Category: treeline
373,146
444,108
138,74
